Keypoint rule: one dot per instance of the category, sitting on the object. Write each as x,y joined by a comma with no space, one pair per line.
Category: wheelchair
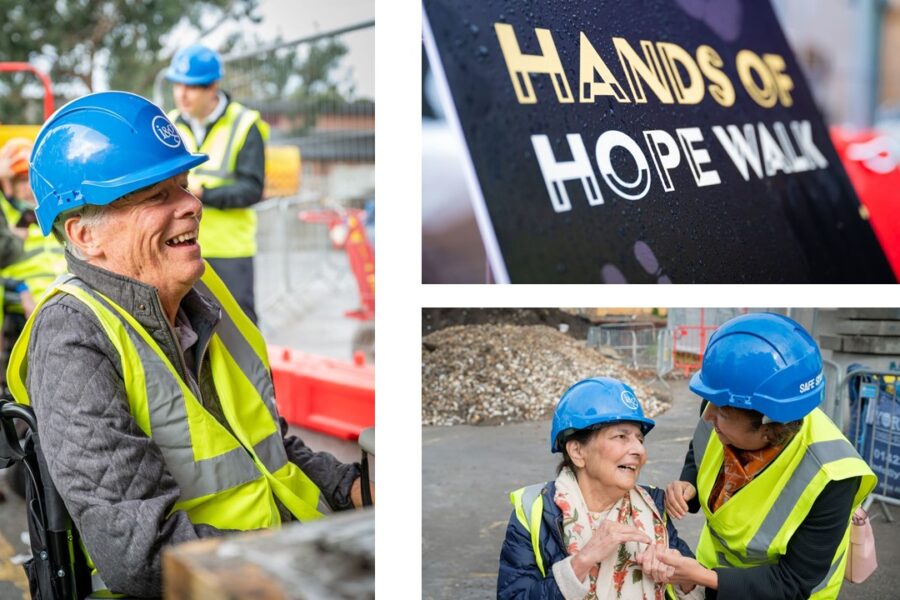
57,569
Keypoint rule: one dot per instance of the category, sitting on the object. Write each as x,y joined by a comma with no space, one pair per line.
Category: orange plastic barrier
324,394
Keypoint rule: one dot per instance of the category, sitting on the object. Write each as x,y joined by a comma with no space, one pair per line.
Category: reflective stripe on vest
754,527
529,505
42,257
228,481
224,233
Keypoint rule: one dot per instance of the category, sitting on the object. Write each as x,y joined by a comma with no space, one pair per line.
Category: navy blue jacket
519,575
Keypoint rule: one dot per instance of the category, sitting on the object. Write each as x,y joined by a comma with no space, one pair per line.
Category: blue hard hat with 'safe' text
100,147
195,65
763,362
593,402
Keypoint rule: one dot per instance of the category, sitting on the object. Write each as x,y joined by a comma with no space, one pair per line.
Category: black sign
655,141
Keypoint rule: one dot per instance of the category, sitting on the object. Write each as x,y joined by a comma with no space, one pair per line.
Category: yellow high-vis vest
224,233
227,481
43,258
754,526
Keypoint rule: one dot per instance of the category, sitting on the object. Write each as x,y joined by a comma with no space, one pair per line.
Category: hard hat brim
770,397
643,422
187,80
107,192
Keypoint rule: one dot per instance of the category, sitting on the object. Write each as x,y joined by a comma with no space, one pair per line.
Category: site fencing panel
636,342
874,428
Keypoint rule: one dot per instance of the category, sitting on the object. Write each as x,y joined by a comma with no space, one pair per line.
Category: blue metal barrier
874,426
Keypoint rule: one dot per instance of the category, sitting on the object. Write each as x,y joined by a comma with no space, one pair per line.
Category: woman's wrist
581,566
707,578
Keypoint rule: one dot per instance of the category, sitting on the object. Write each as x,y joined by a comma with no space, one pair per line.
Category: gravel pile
491,374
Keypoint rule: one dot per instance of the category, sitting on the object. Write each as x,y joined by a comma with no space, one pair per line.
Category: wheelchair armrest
11,448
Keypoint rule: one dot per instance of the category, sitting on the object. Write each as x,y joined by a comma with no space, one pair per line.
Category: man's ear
82,237
576,453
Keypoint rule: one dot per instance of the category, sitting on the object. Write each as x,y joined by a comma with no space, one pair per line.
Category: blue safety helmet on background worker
195,65
100,147
591,403
763,362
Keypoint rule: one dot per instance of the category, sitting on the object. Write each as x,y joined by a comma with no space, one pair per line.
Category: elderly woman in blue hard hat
587,533
778,482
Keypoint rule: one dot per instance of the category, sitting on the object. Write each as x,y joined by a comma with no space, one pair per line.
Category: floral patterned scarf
619,577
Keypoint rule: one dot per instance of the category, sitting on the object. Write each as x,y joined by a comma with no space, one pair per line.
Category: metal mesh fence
308,95
321,153
874,427
636,342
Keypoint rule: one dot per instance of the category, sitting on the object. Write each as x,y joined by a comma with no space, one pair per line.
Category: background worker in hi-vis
777,480
233,137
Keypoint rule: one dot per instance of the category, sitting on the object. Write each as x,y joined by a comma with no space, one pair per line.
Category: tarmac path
468,472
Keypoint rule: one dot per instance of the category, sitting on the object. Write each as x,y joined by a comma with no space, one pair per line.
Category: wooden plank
331,558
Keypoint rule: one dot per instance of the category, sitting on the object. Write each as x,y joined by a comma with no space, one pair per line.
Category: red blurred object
324,394
12,67
347,228
872,161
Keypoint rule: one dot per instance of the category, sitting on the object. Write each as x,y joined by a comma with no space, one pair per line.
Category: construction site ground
468,472
309,317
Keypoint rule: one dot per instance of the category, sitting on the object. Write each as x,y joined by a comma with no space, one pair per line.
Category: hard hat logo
165,132
183,65
629,400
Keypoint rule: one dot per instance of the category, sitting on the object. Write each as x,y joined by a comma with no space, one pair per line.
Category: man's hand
356,492
678,493
604,542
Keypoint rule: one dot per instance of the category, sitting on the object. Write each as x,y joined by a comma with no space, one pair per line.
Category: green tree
125,39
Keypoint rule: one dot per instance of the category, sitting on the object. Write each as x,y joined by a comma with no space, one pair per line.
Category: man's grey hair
91,216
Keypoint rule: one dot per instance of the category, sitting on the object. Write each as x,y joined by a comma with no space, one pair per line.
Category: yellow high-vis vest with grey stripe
43,258
528,503
755,525
227,481
228,233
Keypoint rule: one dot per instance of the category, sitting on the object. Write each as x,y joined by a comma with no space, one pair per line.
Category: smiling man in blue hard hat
151,386
232,181
776,479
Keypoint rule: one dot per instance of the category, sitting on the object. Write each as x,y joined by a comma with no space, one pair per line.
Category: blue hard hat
98,148
763,362
195,65
593,402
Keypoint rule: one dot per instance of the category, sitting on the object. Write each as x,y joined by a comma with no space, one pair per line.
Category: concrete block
866,344
831,342
859,327
887,314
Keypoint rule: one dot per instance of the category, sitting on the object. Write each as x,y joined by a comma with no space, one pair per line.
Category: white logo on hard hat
629,400
165,131
183,65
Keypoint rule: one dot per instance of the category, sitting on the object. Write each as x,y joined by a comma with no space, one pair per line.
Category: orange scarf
739,467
